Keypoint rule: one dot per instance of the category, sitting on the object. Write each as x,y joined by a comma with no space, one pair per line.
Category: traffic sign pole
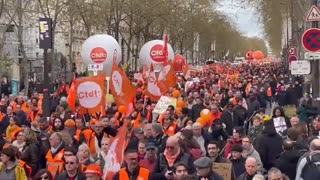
315,64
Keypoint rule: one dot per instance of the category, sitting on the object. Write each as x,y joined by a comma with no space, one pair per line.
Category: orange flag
91,93
121,87
152,89
115,154
167,78
72,96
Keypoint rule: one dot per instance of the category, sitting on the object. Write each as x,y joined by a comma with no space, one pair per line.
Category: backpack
311,170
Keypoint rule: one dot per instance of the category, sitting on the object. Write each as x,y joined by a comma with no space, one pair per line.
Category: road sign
292,51
312,55
313,14
300,67
292,58
311,40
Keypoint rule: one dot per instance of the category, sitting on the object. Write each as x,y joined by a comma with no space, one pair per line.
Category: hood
292,156
269,131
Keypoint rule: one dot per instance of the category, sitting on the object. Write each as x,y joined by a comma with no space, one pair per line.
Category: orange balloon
122,109
180,103
258,55
201,121
206,114
176,93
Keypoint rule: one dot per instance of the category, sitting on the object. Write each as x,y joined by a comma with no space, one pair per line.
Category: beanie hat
70,123
237,148
157,127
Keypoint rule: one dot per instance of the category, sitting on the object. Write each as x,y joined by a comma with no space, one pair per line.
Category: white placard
95,67
163,104
300,67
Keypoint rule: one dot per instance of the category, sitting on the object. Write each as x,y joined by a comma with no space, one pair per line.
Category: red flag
165,48
72,96
115,154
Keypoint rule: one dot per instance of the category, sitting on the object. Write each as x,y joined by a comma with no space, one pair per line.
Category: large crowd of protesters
176,144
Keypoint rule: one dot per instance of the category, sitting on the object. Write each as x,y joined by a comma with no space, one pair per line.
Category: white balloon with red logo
152,52
101,49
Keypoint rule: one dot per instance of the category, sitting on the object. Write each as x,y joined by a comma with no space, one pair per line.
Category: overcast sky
246,19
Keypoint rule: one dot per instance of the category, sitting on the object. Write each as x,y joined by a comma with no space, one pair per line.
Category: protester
204,170
221,114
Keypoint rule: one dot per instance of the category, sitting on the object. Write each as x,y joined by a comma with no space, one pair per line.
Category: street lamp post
45,43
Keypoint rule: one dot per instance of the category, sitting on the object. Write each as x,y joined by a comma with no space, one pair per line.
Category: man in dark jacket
194,113
251,169
238,162
269,145
203,166
288,160
227,118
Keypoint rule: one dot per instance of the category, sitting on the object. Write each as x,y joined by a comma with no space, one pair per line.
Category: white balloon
101,49
152,52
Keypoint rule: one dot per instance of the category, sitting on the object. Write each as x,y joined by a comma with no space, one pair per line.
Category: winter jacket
162,165
229,145
238,166
269,147
64,176
30,155
287,162
194,112
19,171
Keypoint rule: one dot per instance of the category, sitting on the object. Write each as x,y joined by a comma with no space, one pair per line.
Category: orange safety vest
32,115
55,164
1,116
269,92
24,107
27,168
87,134
14,106
14,132
77,135
91,144
171,130
143,174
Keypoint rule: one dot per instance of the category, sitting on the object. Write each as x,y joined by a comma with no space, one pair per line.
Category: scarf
171,159
54,150
83,161
19,146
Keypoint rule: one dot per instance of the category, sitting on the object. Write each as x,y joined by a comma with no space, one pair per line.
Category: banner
91,93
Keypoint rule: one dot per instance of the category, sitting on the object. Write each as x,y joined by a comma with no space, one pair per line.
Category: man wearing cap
238,162
204,170
138,135
159,137
150,160
93,172
132,171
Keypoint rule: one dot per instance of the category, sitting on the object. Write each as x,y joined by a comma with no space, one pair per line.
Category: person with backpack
309,165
